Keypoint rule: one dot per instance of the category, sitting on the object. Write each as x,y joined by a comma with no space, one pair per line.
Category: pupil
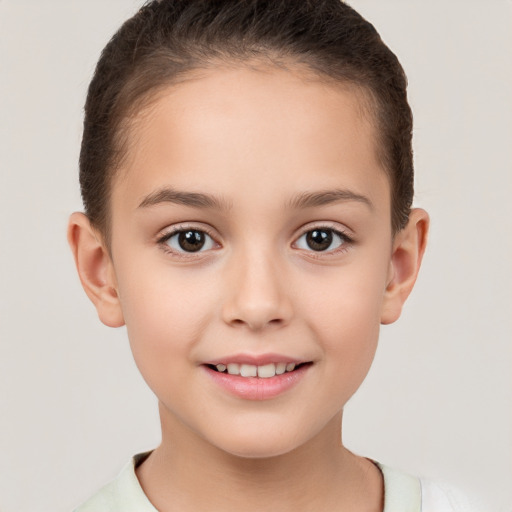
191,241
319,240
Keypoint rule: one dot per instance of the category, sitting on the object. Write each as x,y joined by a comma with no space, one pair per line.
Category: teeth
280,368
250,370
234,369
266,371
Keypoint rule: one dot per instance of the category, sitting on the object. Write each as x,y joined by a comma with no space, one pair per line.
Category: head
167,41
246,170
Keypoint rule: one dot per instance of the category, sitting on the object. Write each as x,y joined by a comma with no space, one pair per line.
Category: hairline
130,110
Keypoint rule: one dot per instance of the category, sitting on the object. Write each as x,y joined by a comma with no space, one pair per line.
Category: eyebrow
325,197
207,201
192,199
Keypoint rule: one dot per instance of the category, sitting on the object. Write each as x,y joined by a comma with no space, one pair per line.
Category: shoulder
406,493
402,492
123,493
441,497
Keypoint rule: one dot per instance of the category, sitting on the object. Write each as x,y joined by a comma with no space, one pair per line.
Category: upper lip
255,359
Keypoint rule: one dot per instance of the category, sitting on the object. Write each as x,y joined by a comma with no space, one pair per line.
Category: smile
265,371
262,381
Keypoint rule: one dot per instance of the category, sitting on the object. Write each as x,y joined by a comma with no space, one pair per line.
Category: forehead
247,129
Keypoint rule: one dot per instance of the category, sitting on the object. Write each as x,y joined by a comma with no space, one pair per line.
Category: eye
321,240
189,240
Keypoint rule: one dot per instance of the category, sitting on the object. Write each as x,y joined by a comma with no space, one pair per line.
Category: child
247,176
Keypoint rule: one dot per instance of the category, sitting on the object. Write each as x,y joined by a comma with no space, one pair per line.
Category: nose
258,296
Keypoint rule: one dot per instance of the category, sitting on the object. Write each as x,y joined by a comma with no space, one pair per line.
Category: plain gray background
438,401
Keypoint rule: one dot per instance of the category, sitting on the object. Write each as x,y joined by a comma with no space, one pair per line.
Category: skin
257,140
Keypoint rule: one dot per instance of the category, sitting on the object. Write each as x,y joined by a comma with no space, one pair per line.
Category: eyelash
345,241
162,241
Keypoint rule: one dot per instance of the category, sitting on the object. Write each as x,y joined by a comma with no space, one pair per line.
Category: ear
95,269
408,249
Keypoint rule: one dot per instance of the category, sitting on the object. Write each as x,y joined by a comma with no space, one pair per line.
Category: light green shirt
402,493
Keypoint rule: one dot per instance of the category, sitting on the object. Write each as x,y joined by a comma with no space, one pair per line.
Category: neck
187,473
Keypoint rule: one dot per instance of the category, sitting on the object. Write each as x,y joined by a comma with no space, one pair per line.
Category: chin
257,450
258,443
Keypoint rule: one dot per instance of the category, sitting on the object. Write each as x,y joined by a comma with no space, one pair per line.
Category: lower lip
256,388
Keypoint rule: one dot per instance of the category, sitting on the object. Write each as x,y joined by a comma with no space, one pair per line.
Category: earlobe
408,249
95,269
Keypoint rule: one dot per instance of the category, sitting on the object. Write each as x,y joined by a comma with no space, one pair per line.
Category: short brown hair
166,39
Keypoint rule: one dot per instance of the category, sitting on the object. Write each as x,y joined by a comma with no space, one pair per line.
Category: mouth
257,377
265,371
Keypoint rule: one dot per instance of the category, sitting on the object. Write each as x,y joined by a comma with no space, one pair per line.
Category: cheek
349,336
344,317
347,301
165,317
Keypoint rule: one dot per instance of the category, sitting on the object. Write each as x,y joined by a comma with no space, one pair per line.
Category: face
251,234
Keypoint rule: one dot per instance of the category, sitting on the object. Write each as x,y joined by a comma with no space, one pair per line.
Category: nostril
256,312
257,323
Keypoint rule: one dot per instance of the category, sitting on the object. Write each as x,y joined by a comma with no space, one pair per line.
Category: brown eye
190,240
321,240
